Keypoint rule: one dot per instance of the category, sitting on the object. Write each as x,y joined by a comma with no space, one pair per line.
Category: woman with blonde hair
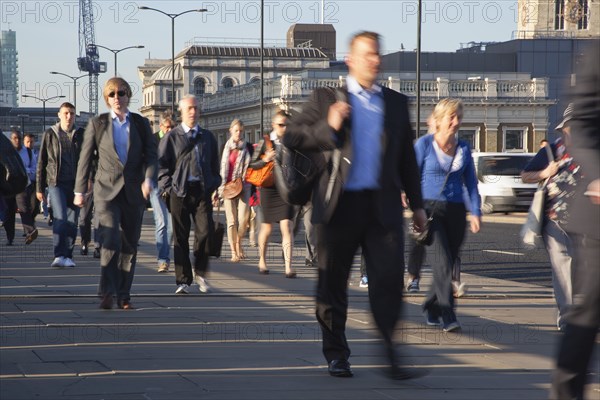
234,163
446,167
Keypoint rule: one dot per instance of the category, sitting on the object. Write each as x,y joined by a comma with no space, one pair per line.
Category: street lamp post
23,116
172,16
75,78
418,110
43,106
117,51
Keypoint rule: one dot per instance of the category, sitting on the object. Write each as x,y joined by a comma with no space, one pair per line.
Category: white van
500,184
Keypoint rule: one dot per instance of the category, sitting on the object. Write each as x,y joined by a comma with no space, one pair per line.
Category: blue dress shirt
121,135
367,132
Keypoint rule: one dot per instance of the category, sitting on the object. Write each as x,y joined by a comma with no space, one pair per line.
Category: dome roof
165,73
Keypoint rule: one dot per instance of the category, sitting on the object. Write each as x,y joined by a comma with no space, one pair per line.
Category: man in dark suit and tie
125,175
364,131
188,175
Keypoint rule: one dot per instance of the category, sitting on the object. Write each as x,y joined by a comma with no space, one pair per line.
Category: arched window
199,87
227,83
256,79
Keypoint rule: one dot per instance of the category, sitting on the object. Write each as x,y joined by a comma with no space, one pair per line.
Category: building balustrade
297,88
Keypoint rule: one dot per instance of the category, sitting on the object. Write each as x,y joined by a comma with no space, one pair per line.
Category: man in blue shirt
364,131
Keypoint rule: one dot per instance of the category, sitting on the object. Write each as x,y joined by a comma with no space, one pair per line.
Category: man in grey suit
126,173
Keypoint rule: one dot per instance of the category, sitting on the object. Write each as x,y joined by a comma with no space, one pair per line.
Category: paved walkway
253,337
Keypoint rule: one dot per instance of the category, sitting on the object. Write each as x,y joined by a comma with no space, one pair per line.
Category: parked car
500,184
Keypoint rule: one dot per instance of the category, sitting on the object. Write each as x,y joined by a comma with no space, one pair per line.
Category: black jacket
310,131
172,177
585,143
49,157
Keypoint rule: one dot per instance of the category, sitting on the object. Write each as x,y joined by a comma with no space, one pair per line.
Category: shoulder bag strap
550,159
187,150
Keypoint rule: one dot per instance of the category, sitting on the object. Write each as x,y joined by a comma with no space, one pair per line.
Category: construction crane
89,59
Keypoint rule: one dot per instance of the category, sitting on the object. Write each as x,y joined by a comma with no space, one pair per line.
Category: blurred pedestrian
555,164
446,165
576,346
364,129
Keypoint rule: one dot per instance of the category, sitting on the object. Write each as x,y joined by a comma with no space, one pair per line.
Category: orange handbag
262,177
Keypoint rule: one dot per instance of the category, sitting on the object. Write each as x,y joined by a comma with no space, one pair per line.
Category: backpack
296,173
13,176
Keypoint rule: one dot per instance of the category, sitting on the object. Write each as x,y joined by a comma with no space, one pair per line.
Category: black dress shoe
84,250
9,242
96,253
107,302
340,369
399,373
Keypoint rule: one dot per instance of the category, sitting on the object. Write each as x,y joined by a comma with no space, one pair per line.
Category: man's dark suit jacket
172,177
111,175
309,131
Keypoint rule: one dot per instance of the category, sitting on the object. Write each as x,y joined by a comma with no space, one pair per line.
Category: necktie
195,167
30,154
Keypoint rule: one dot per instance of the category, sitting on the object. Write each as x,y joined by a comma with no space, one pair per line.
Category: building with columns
503,112
206,70
514,91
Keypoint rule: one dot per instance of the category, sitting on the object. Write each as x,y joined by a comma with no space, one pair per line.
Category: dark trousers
416,258
23,203
28,207
197,206
583,321
86,224
119,227
354,225
449,224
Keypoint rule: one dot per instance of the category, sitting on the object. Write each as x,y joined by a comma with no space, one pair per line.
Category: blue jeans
66,215
163,226
561,251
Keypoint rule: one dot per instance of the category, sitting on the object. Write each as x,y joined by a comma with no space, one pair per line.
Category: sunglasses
121,93
281,125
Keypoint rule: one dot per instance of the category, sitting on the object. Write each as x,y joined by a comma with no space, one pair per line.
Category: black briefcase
216,241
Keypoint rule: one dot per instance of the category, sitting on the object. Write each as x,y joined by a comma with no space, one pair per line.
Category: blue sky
47,31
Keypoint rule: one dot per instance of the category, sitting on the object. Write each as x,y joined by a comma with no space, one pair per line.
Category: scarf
241,162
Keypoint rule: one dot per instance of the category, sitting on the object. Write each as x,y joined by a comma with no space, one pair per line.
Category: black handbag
423,237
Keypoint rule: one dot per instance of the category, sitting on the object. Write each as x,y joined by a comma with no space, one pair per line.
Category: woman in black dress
273,207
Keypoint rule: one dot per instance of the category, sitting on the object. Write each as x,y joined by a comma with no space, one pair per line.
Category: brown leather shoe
31,236
107,302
